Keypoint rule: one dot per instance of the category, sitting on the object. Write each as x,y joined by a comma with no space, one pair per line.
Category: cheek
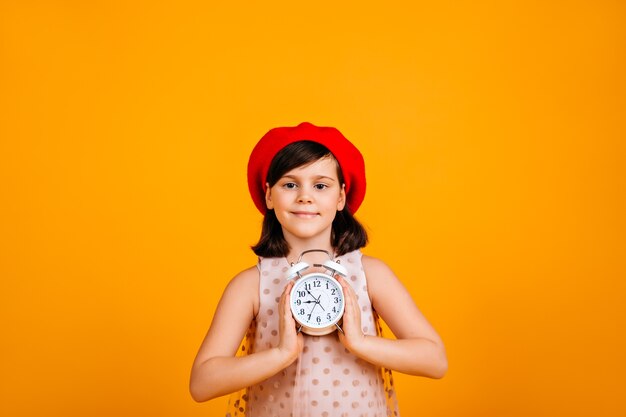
280,200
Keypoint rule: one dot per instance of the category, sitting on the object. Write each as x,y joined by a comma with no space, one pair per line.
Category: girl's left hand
352,335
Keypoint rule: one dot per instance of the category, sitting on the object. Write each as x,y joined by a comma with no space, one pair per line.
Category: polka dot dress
326,380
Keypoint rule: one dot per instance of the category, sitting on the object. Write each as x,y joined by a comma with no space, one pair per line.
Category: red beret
349,158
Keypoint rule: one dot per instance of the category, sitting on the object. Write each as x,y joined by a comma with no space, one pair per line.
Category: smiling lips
304,214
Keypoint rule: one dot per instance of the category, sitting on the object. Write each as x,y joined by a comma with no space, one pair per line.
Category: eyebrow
317,177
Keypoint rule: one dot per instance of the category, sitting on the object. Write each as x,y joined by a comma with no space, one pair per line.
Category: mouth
304,214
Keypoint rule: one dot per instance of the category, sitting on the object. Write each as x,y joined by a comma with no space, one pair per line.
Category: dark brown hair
347,233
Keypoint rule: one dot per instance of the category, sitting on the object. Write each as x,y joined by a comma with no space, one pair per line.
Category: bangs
298,154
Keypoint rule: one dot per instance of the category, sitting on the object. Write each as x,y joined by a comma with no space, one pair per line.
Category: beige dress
326,380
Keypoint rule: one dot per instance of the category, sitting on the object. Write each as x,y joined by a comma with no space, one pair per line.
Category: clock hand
317,301
309,301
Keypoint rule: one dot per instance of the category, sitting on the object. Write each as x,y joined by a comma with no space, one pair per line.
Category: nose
304,196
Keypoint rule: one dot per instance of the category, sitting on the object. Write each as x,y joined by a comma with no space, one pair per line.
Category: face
306,200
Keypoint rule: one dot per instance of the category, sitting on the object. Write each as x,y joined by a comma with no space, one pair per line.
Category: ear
342,198
268,197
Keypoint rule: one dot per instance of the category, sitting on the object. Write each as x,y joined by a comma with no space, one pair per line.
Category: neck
297,245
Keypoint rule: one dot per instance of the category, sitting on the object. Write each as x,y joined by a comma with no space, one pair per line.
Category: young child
308,181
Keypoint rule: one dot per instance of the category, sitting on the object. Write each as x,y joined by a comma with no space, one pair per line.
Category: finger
348,291
344,284
286,293
285,301
352,314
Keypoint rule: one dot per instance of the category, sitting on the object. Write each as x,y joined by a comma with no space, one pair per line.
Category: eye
320,186
289,185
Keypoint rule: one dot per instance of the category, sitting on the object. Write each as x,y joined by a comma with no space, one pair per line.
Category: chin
308,233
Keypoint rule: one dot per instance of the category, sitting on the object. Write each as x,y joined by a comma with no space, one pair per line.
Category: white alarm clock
316,299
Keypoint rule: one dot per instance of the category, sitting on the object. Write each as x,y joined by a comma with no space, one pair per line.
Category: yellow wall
493,134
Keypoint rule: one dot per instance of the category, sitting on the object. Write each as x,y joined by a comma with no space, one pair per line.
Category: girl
308,181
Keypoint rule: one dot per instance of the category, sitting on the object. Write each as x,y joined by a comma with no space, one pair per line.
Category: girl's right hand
291,342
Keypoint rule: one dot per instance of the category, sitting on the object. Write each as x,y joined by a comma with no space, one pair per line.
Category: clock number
298,302
307,286
317,284
318,319
333,291
301,293
336,300
328,316
301,311
334,309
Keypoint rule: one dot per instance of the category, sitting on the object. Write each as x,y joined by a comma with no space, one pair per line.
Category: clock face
317,303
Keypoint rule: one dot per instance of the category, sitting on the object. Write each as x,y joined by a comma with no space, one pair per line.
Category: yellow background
493,134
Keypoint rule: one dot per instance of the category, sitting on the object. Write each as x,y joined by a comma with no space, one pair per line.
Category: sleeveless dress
326,380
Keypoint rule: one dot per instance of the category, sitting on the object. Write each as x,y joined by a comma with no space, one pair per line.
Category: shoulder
248,276
245,285
375,267
381,280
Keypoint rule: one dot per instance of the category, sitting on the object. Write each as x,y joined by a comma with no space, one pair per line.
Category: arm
216,370
417,349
